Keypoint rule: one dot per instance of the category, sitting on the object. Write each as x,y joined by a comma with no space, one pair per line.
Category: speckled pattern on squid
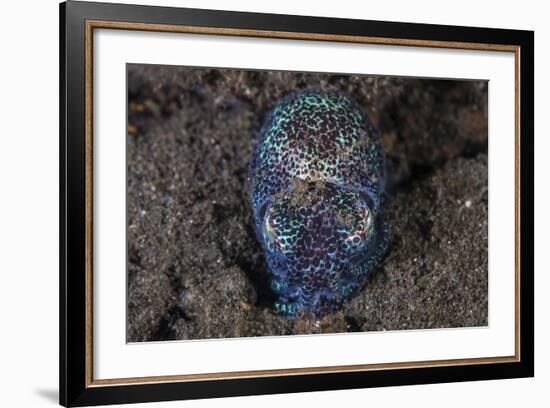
316,183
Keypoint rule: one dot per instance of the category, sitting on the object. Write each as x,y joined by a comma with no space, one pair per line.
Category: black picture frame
76,387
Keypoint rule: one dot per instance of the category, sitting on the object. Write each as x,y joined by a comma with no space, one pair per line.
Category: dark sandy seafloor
195,269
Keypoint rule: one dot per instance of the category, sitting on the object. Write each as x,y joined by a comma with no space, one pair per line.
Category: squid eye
368,207
368,220
369,199
268,230
358,238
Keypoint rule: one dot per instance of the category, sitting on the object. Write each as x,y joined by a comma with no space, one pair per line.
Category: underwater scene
265,203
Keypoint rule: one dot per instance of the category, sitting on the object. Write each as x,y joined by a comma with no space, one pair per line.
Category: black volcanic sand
195,269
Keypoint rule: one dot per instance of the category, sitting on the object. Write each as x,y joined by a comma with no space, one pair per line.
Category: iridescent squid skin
316,183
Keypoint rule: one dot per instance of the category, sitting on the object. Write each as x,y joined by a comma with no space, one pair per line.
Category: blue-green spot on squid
316,186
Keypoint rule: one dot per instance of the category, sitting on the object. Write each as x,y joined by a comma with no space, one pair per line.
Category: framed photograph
256,203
